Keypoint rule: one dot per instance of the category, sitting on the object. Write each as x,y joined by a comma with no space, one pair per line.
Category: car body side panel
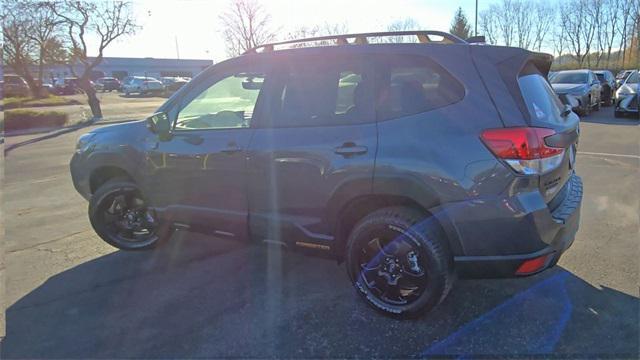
437,157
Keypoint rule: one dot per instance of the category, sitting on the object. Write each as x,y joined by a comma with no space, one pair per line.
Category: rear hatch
547,111
542,131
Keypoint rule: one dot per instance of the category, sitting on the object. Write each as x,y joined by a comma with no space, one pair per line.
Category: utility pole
177,48
476,27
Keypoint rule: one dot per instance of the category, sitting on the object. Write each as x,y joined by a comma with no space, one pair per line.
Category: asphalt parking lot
69,295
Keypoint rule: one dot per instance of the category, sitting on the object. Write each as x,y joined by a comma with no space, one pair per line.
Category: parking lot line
609,154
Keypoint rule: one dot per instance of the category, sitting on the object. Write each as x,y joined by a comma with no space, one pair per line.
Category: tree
43,28
488,26
405,24
105,20
325,29
18,46
460,26
246,25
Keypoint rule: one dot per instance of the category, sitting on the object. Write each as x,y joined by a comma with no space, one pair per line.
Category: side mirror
159,123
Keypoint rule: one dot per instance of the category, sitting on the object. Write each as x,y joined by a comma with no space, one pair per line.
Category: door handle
350,149
231,148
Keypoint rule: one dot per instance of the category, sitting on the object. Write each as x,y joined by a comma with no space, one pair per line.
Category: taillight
524,149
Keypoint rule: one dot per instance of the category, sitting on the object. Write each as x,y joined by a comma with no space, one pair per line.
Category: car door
198,176
316,148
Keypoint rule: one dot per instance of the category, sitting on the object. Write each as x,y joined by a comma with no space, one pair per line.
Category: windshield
569,78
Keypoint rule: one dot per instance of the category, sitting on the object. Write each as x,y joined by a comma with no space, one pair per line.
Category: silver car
627,96
583,85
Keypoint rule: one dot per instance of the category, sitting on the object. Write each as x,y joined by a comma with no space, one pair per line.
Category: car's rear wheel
399,261
618,114
119,215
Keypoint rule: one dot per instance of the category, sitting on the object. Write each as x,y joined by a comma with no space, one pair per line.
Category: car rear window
542,102
408,85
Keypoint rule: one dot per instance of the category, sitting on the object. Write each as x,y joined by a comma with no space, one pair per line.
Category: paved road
72,296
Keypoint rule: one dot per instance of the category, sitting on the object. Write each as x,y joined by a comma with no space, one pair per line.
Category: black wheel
618,114
399,261
119,215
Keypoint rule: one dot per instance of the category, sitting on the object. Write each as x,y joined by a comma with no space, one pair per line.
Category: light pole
476,27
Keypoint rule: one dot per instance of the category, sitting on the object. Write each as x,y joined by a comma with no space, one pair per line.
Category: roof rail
423,36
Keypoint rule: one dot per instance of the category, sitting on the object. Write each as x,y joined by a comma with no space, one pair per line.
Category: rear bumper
529,232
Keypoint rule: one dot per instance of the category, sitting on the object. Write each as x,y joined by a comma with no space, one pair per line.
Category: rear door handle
350,149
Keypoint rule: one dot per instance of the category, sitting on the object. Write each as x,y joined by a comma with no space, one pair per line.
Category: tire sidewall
427,237
106,190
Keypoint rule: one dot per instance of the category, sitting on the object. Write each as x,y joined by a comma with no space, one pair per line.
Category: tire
114,199
422,272
618,114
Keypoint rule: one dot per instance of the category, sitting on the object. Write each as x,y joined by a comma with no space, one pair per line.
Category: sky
194,24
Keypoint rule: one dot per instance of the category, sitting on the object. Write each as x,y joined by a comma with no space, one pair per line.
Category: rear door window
336,92
408,85
542,102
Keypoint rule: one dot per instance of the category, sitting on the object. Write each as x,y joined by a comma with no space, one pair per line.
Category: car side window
408,85
227,104
313,94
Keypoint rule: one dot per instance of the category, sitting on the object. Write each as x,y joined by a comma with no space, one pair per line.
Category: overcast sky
195,24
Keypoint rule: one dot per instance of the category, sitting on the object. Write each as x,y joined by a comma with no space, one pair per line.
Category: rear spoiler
541,61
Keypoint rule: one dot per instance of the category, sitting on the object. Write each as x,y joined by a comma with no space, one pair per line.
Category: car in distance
622,76
409,162
14,86
608,89
173,84
627,96
143,86
107,84
582,85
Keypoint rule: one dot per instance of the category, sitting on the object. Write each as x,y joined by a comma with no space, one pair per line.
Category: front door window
227,104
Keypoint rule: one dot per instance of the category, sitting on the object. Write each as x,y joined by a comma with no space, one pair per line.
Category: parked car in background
627,96
581,84
173,84
107,84
69,86
389,175
143,86
609,87
14,85
622,76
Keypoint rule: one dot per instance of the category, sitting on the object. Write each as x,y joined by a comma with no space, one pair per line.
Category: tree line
591,33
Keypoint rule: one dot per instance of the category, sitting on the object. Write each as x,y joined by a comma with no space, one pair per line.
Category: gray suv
413,163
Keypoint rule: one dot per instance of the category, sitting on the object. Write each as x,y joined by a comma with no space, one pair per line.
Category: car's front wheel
119,215
399,261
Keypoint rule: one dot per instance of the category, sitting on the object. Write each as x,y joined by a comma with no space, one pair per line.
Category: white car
143,86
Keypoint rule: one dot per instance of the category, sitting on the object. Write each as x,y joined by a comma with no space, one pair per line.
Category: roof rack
423,36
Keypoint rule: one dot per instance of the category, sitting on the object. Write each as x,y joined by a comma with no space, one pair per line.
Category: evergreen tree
460,26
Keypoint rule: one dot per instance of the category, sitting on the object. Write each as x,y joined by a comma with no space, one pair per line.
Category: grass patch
26,102
32,119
